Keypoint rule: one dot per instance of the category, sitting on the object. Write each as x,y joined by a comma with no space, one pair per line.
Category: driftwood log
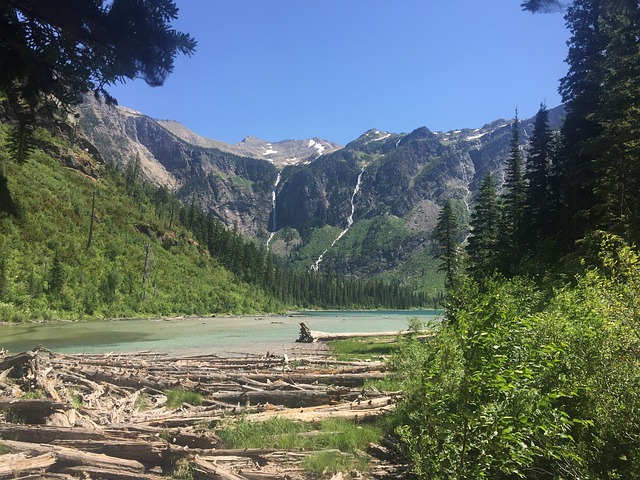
311,336
106,416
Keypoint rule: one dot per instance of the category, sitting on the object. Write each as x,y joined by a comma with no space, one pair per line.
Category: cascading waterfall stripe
274,196
316,265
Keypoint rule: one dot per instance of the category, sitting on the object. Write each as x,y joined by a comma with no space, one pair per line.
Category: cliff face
381,193
236,189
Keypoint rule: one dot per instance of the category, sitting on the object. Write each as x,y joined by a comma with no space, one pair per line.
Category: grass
33,395
338,444
175,398
332,461
4,450
276,433
369,348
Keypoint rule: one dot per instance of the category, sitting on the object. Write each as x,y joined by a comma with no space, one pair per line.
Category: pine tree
618,121
582,91
537,214
484,239
513,196
4,281
447,237
57,278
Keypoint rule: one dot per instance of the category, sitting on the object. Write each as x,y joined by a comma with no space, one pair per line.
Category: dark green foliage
513,197
581,90
618,118
527,384
57,275
448,239
7,205
484,240
21,142
51,52
4,281
538,211
543,5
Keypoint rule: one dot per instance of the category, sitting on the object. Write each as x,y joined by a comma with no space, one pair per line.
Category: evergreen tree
447,237
484,238
4,281
537,214
582,90
53,51
618,123
514,197
57,278
132,174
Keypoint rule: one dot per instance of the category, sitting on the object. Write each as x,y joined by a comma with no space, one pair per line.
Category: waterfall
467,196
316,265
274,195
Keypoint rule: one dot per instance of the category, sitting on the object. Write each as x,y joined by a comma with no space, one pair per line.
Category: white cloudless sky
296,69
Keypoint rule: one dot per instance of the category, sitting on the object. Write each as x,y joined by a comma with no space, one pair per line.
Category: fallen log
209,471
287,398
312,336
70,457
46,434
109,474
19,463
33,411
347,411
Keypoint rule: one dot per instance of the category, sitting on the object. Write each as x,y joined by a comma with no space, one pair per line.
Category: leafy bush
522,388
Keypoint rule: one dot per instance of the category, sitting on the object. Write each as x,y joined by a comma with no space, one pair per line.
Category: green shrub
522,388
175,398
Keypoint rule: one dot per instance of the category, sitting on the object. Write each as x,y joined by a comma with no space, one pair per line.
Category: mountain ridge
402,181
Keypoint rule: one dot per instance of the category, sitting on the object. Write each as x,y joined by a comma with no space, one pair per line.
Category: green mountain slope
138,263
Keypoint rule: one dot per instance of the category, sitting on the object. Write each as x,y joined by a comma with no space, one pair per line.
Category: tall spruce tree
617,144
513,197
447,237
483,246
537,210
582,91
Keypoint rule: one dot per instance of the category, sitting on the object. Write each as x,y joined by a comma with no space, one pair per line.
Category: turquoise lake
224,336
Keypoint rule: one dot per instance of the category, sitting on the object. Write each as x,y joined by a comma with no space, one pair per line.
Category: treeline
254,264
90,242
536,374
569,184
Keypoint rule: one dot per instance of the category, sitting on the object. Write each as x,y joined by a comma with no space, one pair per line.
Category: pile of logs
106,416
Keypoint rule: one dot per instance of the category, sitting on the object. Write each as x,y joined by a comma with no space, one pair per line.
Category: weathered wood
347,411
70,457
109,474
312,336
32,411
213,472
46,434
306,335
12,465
121,403
18,360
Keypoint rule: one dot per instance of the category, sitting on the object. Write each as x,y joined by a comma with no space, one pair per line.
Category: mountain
281,154
364,210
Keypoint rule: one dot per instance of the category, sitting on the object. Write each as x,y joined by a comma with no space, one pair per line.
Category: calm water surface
220,335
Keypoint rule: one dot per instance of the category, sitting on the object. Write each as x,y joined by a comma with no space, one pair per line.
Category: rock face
405,180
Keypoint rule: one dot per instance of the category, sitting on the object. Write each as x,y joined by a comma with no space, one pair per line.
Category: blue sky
295,69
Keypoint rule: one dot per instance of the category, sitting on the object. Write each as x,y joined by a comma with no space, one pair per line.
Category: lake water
220,335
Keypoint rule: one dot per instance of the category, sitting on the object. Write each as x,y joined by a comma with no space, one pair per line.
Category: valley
364,210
